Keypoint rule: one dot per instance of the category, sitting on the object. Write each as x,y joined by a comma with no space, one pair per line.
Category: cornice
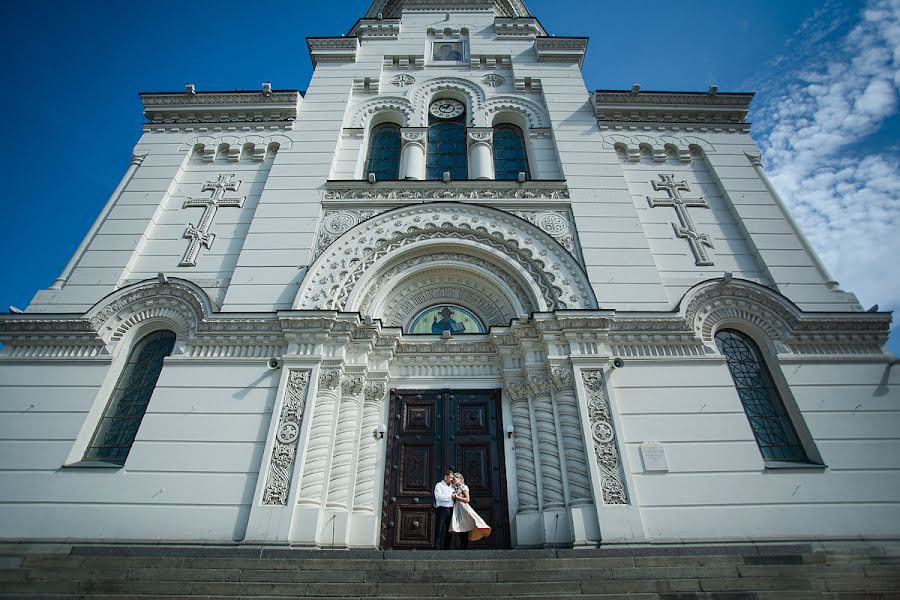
191,107
635,106
376,29
393,8
396,193
561,49
332,50
518,28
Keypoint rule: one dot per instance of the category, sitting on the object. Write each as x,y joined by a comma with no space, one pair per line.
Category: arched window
447,150
125,411
775,434
384,152
510,157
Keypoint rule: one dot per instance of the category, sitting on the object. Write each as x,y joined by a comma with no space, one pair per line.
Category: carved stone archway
549,277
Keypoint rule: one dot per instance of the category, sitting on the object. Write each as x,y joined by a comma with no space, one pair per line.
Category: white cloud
819,105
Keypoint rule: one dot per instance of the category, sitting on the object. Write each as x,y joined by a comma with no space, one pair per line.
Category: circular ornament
493,80
403,80
552,223
447,108
603,432
339,222
288,433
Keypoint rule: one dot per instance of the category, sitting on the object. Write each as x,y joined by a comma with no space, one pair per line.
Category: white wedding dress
466,519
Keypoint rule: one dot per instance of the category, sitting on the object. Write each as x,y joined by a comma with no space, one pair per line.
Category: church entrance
431,431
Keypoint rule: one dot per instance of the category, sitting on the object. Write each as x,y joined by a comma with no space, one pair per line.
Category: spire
391,9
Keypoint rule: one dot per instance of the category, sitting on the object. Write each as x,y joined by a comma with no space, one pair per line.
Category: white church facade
298,309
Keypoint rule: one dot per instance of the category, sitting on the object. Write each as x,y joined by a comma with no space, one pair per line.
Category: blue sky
826,113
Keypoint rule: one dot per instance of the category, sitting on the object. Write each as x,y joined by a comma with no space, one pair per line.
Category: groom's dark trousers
442,536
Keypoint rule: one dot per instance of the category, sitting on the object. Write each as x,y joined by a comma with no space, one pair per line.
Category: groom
443,504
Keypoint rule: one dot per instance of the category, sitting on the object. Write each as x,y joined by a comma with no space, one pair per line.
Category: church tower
298,309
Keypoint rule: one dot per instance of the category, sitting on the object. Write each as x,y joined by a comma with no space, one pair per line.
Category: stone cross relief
199,234
686,230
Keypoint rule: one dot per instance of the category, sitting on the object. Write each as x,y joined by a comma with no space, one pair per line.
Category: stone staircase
848,571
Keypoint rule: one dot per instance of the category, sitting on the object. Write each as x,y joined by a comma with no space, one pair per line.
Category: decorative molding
557,223
403,62
335,274
335,223
516,389
630,106
403,80
221,107
561,49
529,85
366,85
376,29
403,192
661,148
561,375
480,135
199,234
577,474
257,148
445,347
685,229
422,94
287,436
521,28
538,378
490,62
332,50
394,8
603,432
533,114
363,114
451,32
364,493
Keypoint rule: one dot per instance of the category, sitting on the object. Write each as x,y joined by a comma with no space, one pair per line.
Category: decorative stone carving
364,494
284,450
221,107
417,192
628,106
562,377
424,92
631,145
606,451
336,222
320,435
686,230
362,114
352,385
534,114
199,234
517,392
493,80
561,50
557,223
403,80
545,422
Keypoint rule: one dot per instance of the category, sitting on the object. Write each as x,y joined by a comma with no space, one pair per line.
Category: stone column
481,152
312,485
345,439
364,498
527,488
412,153
551,469
577,473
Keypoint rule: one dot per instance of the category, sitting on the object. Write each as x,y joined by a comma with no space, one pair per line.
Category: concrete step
728,572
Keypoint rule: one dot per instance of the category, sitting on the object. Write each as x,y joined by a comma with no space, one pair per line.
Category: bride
465,519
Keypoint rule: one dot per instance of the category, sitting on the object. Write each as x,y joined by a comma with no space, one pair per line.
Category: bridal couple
454,515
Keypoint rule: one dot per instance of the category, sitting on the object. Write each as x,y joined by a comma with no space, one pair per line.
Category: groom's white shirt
443,494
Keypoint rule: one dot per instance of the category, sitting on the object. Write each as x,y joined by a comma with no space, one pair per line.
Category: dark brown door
435,430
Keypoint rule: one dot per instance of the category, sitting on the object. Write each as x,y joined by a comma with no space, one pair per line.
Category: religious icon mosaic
446,317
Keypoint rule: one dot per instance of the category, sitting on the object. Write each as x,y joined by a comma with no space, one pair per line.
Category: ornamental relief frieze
287,435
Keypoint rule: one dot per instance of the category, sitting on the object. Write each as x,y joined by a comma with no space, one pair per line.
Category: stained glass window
384,152
447,150
123,416
775,434
510,157
446,317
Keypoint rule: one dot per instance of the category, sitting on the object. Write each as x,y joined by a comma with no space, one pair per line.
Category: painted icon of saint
447,52
446,322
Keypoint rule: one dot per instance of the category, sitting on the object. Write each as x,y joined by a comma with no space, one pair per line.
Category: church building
298,309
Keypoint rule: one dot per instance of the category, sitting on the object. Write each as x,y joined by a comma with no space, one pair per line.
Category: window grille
124,414
775,434
510,156
384,152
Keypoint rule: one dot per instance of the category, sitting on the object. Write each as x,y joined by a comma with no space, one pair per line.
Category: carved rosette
337,222
557,223
517,391
551,467
403,80
287,436
603,432
493,80
413,135
364,495
562,376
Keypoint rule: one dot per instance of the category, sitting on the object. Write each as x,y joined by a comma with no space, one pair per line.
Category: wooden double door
432,431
